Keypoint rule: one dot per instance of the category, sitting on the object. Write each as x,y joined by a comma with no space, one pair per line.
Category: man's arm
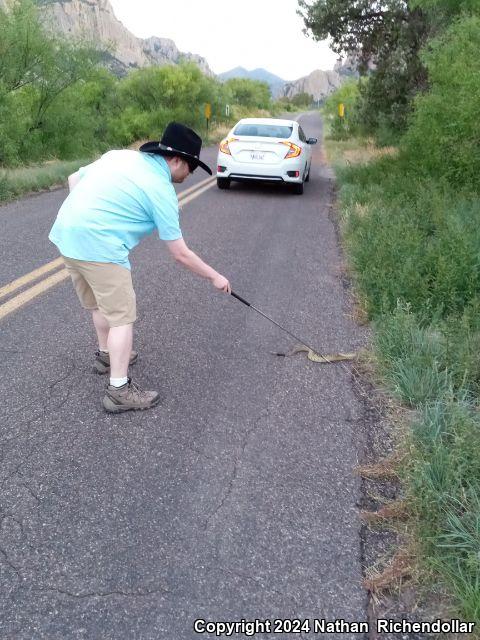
73,180
182,254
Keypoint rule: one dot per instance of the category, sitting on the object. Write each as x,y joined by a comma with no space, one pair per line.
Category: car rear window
264,130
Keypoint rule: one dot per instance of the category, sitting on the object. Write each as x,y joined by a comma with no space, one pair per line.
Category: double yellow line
17,301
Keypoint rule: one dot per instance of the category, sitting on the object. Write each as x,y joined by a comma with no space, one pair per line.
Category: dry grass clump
396,510
365,154
384,469
400,567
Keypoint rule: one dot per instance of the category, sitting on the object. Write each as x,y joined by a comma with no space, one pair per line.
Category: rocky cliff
95,20
318,84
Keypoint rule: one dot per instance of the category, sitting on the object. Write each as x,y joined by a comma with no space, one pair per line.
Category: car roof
277,121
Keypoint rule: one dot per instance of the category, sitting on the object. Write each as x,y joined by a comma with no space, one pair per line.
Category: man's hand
222,284
189,259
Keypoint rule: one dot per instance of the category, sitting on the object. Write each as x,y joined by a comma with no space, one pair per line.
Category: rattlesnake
315,357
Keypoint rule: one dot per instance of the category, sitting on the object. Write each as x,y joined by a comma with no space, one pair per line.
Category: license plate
257,156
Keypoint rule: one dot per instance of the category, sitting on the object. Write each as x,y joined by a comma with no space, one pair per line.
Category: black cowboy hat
178,140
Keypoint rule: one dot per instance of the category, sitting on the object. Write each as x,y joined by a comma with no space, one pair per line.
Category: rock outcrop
347,67
318,84
95,21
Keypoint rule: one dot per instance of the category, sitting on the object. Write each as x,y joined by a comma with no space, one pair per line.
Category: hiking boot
101,364
129,397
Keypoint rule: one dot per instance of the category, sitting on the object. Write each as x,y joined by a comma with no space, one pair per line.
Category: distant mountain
96,21
274,82
319,84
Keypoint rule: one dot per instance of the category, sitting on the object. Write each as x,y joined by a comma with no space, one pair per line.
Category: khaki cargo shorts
104,286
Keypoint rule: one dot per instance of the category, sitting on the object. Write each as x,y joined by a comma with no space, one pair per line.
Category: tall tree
250,93
35,69
385,37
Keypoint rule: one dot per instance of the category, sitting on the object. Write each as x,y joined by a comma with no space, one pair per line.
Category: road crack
10,564
234,474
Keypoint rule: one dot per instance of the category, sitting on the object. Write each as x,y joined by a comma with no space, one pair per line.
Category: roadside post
341,115
208,114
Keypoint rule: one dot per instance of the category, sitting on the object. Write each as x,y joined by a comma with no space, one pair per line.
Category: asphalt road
235,498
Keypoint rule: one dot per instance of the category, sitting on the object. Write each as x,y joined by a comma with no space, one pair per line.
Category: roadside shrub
249,93
45,79
410,239
446,8
342,128
443,136
410,225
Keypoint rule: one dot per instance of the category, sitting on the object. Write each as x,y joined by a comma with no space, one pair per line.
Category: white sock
118,382
103,350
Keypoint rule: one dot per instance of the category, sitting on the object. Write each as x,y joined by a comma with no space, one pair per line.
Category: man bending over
113,203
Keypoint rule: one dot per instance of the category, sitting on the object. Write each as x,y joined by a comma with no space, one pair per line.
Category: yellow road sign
341,109
208,111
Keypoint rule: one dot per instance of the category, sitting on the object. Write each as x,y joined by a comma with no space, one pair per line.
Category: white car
267,150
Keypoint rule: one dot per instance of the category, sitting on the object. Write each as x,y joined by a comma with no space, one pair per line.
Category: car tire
307,179
223,183
297,188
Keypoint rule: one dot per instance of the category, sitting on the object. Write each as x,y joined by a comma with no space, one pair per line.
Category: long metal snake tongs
311,353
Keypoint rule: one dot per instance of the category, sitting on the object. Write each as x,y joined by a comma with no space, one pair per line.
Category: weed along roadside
408,211
412,245
15,182
20,181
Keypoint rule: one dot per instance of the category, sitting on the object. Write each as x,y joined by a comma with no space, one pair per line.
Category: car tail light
294,150
224,148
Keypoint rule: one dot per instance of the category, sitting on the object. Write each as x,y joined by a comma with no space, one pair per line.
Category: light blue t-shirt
119,199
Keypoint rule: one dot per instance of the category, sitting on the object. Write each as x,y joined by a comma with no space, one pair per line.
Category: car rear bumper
261,172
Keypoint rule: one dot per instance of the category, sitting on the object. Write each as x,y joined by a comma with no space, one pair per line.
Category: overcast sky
246,33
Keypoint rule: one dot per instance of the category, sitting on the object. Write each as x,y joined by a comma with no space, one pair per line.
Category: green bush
249,93
410,239
283,105
37,70
421,363
410,224
5,190
57,102
341,128
443,136
446,8
414,244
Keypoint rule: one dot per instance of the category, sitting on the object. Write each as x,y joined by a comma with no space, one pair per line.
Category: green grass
444,486
413,244
23,180
410,238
